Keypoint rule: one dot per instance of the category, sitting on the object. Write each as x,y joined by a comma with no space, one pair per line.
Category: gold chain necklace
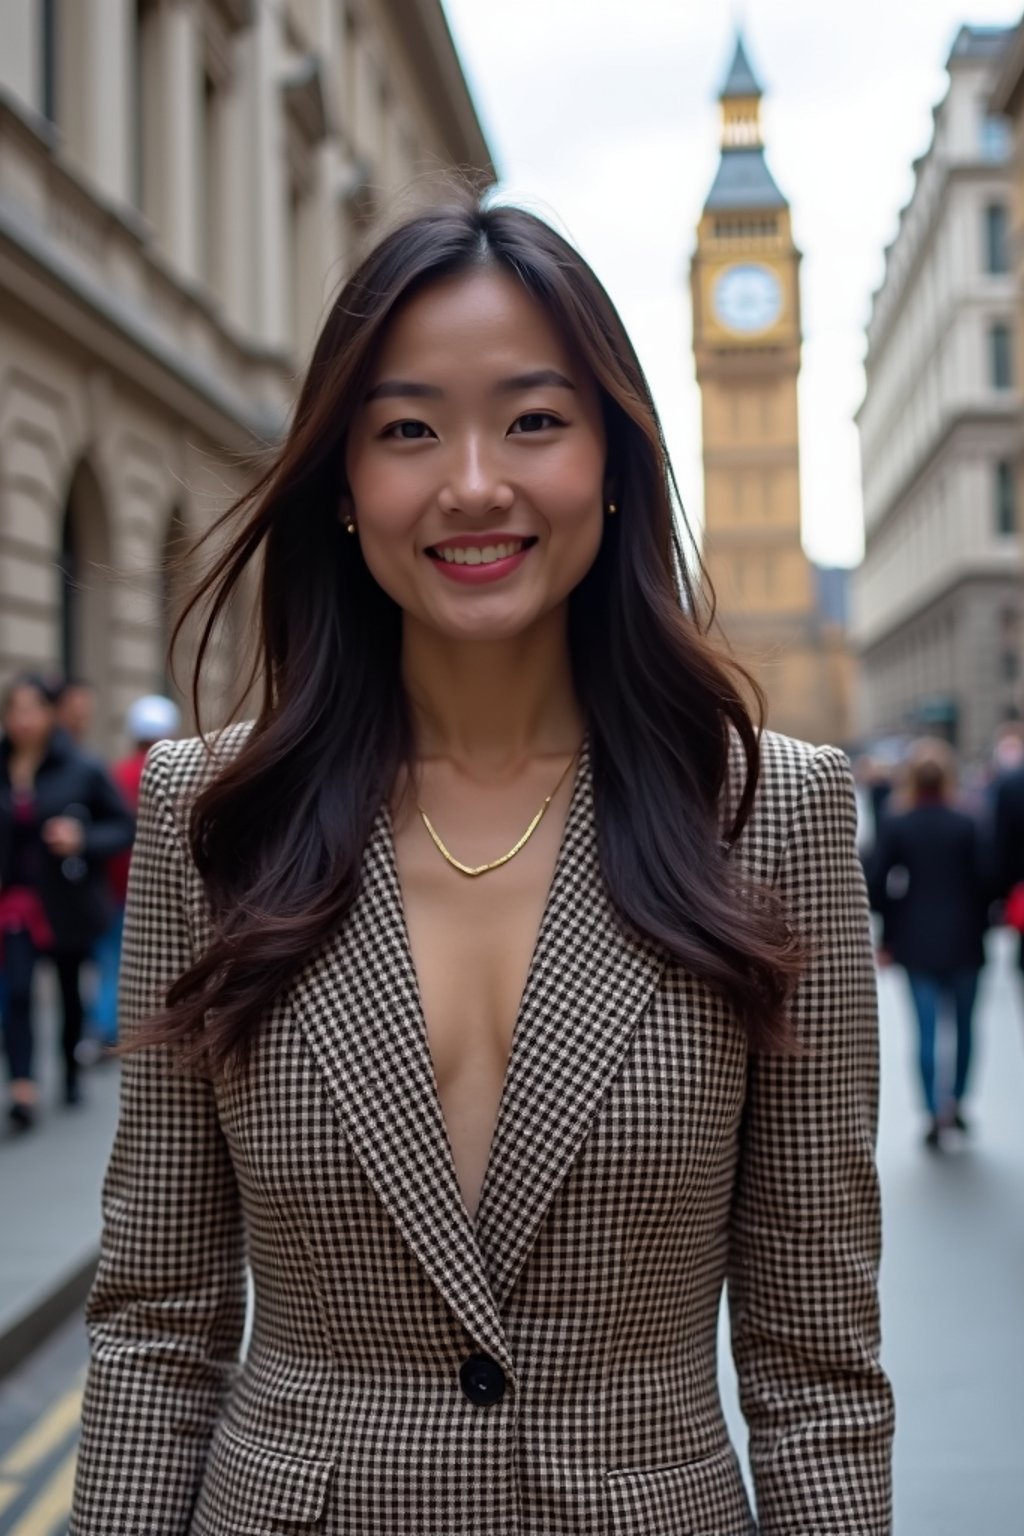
483,869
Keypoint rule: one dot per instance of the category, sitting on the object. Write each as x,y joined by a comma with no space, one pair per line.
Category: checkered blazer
641,1159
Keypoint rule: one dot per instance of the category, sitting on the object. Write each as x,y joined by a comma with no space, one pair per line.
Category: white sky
603,116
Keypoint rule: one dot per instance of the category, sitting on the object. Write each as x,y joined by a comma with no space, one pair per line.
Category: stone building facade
938,604
183,183
1008,101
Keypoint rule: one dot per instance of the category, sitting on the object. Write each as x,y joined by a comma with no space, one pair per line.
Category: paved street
50,1183
953,1283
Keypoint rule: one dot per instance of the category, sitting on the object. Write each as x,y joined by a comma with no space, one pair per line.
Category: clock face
748,298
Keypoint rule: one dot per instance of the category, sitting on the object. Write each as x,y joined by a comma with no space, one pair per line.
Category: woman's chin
486,621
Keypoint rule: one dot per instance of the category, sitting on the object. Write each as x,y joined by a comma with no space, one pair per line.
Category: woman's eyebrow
534,380
537,378
389,389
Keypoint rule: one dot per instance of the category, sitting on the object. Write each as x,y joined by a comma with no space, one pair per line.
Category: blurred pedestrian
872,788
76,708
1008,749
1008,847
929,882
150,719
61,818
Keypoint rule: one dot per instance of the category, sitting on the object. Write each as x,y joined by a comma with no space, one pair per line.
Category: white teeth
474,555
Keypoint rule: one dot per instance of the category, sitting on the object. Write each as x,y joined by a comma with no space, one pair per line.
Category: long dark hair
279,831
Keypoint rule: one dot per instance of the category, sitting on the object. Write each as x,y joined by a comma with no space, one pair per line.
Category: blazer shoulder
787,767
185,766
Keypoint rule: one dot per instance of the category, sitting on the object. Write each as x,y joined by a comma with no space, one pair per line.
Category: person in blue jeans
150,719
928,879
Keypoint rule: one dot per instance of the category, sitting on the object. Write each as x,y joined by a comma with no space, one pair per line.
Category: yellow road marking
53,1504
44,1437
8,1493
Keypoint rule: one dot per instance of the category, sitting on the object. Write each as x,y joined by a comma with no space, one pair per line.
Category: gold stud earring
612,509
350,525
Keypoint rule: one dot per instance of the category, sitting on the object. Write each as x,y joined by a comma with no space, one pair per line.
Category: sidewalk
50,1180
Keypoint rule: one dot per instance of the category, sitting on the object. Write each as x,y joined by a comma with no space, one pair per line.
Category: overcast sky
602,115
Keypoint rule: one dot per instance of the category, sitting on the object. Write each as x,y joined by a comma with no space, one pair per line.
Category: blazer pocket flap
704,1497
253,1487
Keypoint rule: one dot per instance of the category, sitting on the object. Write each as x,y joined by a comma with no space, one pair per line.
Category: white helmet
152,718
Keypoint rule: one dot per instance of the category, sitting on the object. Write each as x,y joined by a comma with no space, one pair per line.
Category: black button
482,1379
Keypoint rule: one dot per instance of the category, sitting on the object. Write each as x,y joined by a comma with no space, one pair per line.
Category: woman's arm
166,1311
806,1226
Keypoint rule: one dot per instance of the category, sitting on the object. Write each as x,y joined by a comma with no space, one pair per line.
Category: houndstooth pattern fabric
641,1157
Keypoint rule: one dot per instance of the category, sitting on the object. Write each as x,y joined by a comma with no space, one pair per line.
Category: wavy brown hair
279,831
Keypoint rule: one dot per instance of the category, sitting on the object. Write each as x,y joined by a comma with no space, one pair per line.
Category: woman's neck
493,704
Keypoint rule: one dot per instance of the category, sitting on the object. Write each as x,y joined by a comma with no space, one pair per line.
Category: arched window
172,591
85,590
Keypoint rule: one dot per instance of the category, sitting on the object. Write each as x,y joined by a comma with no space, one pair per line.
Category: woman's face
28,719
476,461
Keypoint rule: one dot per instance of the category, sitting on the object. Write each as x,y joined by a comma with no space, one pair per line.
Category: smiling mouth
479,554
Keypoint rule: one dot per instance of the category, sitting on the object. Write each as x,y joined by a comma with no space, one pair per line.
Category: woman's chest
471,942
661,1138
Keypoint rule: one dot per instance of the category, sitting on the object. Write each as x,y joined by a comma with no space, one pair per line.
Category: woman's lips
476,560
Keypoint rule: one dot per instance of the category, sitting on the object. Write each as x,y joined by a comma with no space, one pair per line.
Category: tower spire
741,102
741,80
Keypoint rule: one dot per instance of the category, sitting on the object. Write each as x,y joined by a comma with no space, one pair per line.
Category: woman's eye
407,431
535,421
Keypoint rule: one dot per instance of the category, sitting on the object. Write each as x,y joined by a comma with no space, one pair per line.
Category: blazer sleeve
806,1225
166,1312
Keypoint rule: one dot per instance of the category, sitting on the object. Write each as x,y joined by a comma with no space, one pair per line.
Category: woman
928,880
499,917
60,819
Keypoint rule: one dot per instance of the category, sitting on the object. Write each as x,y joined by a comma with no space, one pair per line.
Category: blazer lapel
358,1003
589,985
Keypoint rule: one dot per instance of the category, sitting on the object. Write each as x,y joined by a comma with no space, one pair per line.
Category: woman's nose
475,484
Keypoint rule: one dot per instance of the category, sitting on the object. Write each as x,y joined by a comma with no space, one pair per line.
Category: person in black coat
929,881
61,817
1008,835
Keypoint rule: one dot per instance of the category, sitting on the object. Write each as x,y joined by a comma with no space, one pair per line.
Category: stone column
267,175
181,100
236,234
20,56
95,91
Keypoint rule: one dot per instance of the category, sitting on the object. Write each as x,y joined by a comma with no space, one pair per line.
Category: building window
1000,369
997,244
995,137
48,59
746,229
1006,499
147,108
1009,645
212,190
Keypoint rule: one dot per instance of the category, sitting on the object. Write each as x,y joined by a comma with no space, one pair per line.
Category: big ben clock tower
746,332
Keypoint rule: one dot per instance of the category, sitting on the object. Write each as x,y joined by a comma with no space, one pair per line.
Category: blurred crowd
67,821
943,852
